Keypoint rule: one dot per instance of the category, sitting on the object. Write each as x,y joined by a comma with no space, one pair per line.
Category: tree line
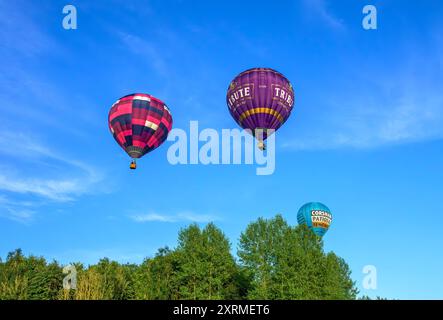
274,261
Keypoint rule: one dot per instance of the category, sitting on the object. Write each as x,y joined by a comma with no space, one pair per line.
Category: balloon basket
261,145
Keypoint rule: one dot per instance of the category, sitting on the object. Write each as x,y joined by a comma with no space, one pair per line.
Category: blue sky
365,136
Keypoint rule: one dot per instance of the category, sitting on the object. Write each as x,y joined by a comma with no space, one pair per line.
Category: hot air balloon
316,216
260,99
139,123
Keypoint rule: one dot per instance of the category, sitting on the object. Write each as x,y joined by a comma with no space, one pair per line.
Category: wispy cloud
29,95
319,9
181,217
144,48
58,190
48,184
20,211
153,217
19,33
385,124
376,107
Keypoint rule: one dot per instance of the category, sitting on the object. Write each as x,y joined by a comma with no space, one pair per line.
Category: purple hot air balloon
260,99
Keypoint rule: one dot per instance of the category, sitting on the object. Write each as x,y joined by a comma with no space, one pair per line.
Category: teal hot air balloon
316,216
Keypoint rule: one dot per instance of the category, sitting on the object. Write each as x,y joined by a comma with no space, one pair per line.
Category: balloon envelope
260,98
316,216
139,123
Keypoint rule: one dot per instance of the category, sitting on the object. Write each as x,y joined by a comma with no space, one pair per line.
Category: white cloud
146,49
403,123
153,217
19,31
319,9
48,102
376,107
185,216
20,211
19,215
55,178
58,190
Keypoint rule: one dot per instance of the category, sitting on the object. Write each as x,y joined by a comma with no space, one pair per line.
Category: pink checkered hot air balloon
139,123
260,99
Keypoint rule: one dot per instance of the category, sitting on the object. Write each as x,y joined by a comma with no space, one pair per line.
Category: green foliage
276,261
289,263
29,278
116,280
207,268
157,278
45,281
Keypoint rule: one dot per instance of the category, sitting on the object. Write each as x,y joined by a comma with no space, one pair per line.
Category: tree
45,281
116,279
90,286
261,245
207,268
276,261
289,263
157,279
